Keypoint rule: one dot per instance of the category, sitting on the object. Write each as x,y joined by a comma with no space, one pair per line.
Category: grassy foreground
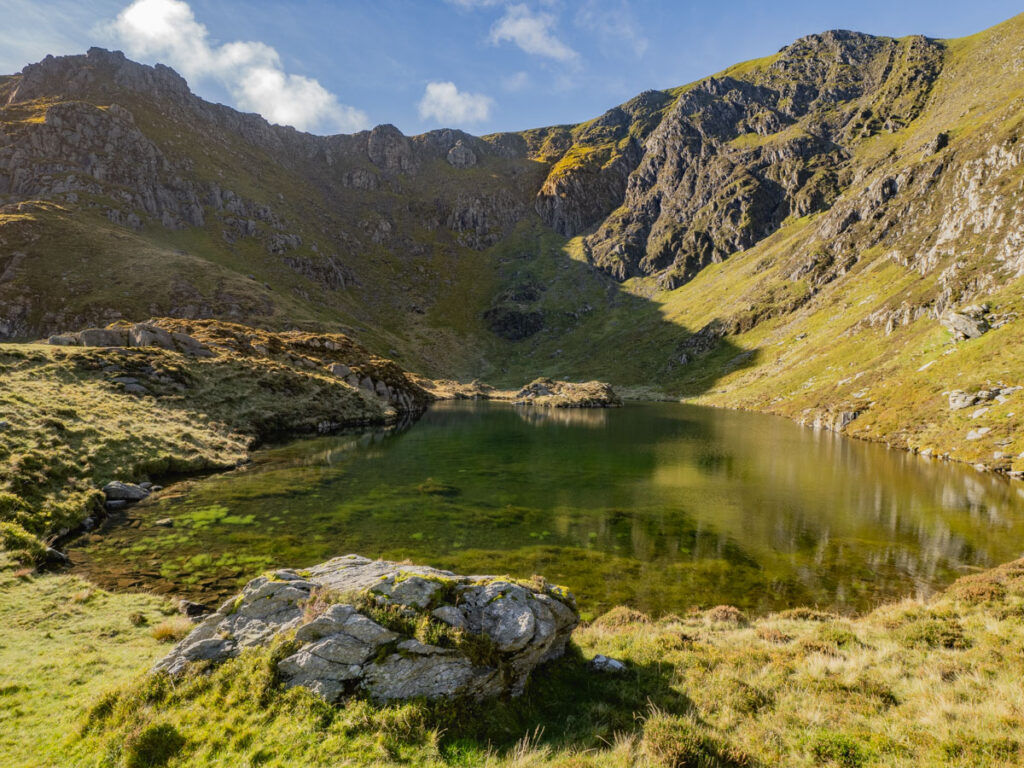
910,684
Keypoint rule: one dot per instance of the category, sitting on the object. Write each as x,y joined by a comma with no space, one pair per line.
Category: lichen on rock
389,631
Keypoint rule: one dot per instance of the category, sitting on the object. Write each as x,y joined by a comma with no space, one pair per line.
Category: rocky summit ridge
794,234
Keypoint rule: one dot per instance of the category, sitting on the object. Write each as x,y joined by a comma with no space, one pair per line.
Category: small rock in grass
192,610
165,522
958,400
607,664
338,369
118,491
977,434
55,556
969,323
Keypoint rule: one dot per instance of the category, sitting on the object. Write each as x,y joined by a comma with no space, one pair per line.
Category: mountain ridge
850,191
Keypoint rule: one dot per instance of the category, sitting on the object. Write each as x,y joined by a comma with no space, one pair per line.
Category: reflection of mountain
779,489
662,506
567,417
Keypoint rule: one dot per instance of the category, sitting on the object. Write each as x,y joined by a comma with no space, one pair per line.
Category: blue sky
480,65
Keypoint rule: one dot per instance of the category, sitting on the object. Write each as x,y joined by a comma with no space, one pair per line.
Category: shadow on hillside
567,706
591,326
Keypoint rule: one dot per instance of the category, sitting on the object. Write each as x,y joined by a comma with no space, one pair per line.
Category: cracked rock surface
389,630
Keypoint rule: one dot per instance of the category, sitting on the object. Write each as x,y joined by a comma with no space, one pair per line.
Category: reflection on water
569,417
662,506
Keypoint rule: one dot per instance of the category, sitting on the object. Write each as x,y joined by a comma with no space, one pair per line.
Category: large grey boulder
64,340
103,337
968,323
146,335
389,630
118,491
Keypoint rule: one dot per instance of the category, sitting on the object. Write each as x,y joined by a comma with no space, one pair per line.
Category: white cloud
531,32
251,71
446,104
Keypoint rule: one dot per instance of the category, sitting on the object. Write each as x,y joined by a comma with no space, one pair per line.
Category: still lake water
659,506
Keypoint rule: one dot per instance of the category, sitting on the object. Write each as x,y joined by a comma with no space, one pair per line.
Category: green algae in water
660,506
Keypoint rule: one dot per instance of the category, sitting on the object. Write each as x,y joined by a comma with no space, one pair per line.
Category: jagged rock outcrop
551,393
589,180
732,158
388,630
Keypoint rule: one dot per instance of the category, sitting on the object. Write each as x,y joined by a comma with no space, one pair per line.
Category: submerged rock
389,630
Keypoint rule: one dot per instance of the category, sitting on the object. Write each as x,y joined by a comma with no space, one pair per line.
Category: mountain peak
96,72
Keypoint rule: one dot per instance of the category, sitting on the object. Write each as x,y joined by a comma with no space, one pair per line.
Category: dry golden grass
172,630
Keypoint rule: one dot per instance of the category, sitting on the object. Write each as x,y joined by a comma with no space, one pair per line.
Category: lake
660,506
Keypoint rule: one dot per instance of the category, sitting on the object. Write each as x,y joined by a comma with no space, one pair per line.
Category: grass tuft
172,630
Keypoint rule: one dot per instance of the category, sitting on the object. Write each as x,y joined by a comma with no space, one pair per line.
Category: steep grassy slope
949,234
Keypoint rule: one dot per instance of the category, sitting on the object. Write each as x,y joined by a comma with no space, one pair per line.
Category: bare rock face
389,149
721,167
389,630
461,156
